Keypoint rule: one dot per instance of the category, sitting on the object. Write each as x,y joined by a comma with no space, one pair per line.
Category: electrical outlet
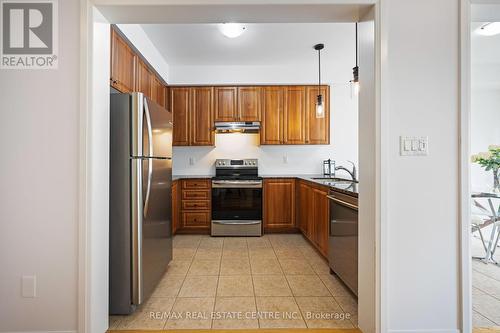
413,145
28,286
191,161
285,159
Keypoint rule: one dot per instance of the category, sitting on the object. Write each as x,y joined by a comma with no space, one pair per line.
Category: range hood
237,127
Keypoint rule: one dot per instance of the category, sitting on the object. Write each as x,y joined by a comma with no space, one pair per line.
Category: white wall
39,138
136,35
344,117
485,118
98,185
421,197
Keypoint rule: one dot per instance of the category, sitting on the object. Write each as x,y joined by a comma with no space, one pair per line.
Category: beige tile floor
485,290
274,281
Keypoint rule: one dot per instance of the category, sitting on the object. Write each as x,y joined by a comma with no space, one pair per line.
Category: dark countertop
177,177
349,188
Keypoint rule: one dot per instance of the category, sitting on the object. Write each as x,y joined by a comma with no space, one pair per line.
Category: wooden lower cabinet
321,218
195,206
313,214
304,198
279,205
175,206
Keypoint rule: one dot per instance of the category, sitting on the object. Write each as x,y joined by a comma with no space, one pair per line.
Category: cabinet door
321,219
272,110
157,90
166,92
225,104
123,63
317,129
143,78
279,204
249,103
201,115
305,212
175,206
294,120
179,104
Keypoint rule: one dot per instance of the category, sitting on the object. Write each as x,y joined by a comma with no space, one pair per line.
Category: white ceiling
484,49
261,44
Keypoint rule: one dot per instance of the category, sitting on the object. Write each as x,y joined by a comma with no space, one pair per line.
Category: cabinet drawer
196,184
195,205
196,195
196,219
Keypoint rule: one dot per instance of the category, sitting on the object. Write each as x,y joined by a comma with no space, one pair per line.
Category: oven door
236,208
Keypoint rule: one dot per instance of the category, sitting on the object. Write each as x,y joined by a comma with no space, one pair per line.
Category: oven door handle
236,222
236,184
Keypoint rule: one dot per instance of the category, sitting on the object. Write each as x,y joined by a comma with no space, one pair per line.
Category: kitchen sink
334,180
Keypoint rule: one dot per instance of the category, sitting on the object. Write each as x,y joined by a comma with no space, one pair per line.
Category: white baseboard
426,331
39,331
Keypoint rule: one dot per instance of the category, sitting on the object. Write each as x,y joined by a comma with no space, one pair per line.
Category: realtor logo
29,34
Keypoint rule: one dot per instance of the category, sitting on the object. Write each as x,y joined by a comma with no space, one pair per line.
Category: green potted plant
490,160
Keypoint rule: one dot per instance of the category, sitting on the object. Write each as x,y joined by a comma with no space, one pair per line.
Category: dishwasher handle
342,202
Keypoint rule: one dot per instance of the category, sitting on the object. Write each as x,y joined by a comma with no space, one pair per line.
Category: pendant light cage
320,109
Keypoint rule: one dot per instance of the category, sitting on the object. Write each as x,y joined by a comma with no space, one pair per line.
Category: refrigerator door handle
137,231
148,187
150,153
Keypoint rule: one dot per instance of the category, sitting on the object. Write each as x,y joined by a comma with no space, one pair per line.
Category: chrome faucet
351,173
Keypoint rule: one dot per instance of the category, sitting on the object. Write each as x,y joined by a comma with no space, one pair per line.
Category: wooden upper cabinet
123,64
249,103
317,129
143,78
166,92
201,114
271,132
225,104
294,119
279,204
157,90
179,106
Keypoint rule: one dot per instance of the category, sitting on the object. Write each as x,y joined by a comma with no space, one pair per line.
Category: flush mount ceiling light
232,30
320,110
489,29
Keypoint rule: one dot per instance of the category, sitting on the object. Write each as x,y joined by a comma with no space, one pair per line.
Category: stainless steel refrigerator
140,207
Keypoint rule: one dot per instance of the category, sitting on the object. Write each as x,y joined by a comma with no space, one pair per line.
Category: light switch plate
413,145
28,286
191,161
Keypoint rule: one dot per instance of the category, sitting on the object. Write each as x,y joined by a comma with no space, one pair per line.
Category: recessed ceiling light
232,30
489,29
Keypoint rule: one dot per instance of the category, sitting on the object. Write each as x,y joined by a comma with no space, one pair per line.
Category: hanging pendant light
355,70
320,110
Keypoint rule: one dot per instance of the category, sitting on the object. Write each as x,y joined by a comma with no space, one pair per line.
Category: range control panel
225,163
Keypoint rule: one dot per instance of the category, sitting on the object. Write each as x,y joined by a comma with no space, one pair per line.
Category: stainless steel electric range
236,198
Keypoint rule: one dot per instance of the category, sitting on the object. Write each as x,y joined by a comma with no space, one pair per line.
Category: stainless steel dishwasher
343,240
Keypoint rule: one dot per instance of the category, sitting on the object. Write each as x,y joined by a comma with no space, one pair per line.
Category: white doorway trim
86,312
465,234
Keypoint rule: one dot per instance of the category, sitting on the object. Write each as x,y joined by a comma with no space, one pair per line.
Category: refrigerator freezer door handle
150,128
150,153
